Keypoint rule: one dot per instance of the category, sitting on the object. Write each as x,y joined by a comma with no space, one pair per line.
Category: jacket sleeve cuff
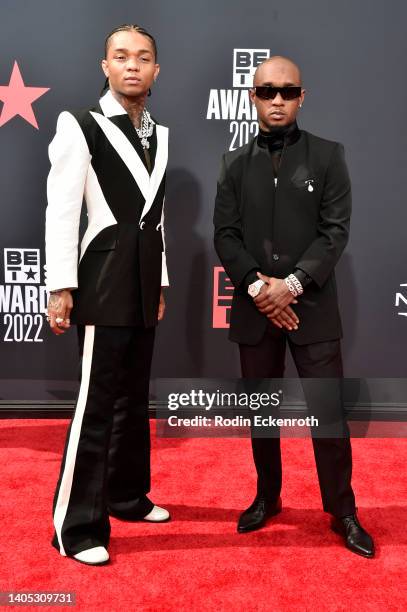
303,277
164,272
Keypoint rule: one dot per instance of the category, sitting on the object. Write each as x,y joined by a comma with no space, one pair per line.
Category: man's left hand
277,296
161,306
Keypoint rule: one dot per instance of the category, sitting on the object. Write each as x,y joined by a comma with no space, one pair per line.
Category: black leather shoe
257,514
355,537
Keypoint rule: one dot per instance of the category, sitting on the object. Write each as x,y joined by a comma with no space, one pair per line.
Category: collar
279,136
110,106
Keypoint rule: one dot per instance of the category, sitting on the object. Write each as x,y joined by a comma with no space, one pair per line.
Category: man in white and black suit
114,155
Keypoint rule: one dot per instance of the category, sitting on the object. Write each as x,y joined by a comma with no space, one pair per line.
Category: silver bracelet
294,285
297,284
290,286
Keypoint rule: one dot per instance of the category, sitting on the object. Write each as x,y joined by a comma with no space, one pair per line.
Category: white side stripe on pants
65,488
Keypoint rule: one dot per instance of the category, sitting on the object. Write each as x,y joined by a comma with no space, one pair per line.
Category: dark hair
129,27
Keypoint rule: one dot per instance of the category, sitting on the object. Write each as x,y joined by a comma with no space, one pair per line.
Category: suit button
276,257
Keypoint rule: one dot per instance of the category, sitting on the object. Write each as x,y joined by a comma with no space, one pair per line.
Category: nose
278,100
133,64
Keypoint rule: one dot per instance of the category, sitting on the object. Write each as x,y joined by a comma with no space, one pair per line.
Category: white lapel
147,184
160,164
127,152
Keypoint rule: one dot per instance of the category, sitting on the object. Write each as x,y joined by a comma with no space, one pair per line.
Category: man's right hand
286,318
59,308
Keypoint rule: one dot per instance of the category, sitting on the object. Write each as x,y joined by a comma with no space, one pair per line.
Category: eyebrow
127,51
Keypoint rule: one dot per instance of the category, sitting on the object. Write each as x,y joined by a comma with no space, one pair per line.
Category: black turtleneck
275,140
278,136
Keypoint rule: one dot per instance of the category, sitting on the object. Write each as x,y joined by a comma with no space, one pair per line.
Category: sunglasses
267,92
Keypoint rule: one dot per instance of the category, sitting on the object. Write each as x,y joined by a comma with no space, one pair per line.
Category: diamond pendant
145,143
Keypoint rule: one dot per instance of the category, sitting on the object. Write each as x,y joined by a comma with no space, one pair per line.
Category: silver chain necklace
146,128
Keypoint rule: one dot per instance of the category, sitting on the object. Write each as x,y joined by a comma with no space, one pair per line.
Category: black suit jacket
277,229
96,154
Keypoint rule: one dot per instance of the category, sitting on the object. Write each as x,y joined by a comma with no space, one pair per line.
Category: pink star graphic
18,98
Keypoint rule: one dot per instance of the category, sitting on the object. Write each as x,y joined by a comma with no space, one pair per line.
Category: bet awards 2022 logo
222,298
22,296
401,300
234,105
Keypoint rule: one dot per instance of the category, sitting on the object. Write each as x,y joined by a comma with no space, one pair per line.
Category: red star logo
18,98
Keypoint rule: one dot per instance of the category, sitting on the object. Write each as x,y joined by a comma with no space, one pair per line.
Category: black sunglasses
267,92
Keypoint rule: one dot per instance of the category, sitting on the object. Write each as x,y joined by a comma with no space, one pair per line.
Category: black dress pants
106,461
324,397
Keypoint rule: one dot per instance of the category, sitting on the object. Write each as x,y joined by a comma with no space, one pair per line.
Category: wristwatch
254,289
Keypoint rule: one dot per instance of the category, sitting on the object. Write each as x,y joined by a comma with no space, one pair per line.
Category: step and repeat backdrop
353,57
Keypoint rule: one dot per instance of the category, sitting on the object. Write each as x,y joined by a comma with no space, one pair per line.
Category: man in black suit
115,156
281,220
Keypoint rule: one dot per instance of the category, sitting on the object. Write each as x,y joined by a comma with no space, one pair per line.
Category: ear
302,96
105,67
252,95
156,71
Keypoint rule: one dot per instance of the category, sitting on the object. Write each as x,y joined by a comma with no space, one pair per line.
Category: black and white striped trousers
106,461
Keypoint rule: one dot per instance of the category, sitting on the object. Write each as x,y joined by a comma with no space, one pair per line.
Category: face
130,64
278,72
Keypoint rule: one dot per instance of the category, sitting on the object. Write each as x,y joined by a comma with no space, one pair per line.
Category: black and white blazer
97,155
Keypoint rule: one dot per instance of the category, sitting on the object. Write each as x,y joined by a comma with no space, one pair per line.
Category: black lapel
123,122
153,147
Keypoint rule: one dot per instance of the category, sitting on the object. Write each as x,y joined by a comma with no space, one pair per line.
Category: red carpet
198,561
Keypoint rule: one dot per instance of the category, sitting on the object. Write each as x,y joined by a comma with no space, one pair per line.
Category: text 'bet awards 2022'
22,296
234,105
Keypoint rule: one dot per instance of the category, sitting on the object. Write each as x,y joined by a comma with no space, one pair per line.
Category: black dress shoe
257,514
356,538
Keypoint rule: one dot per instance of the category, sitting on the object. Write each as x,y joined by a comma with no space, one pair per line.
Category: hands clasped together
274,300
